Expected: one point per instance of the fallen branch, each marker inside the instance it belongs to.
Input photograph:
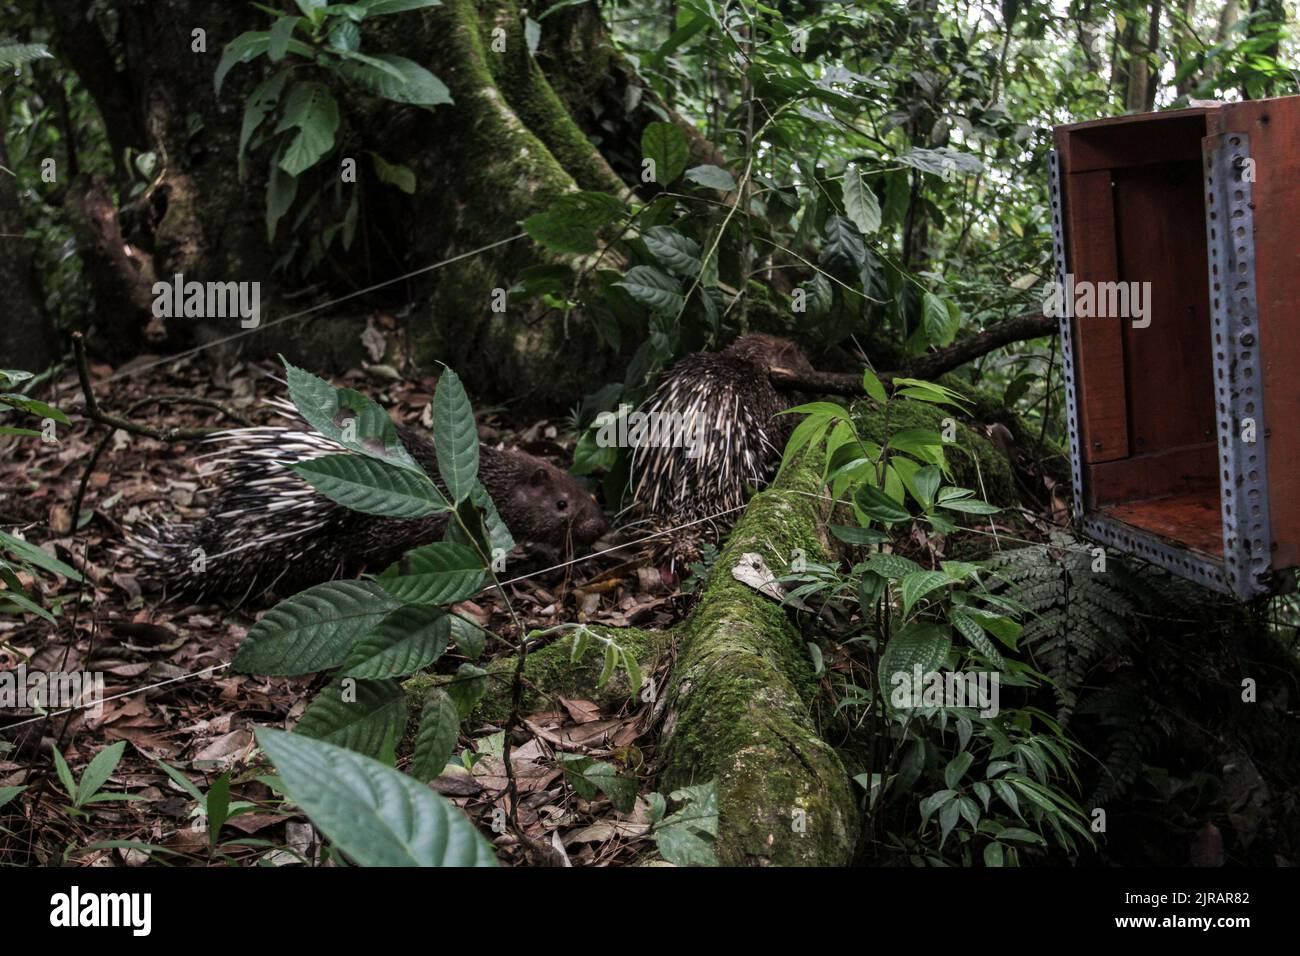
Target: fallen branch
(169, 434)
(927, 366)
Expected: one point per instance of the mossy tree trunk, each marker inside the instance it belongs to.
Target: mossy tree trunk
(525, 127)
(26, 336)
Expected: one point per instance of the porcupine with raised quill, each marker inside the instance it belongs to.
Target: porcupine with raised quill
(730, 398)
(266, 527)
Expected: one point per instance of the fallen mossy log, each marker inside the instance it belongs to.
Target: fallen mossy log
(739, 706)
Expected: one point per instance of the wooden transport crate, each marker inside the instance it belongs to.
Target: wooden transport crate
(1185, 432)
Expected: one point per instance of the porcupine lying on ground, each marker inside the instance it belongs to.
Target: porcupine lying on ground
(743, 436)
(266, 527)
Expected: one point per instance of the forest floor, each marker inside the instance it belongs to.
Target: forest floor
(170, 693)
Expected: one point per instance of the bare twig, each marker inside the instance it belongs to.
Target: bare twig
(927, 366)
(170, 433)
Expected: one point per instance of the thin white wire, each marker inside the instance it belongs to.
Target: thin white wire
(315, 308)
(125, 693)
(516, 580)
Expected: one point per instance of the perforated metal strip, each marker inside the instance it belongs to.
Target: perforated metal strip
(1238, 388)
(1203, 569)
(1055, 178)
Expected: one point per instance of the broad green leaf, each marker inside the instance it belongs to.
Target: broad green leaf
(217, 806)
(408, 640)
(438, 573)
(345, 36)
(313, 630)
(33, 407)
(843, 252)
(685, 838)
(418, 87)
(860, 536)
(925, 484)
(310, 109)
(455, 436)
(923, 443)
(383, 66)
(860, 203)
(98, 771)
(918, 644)
(920, 583)
(435, 741)
(666, 145)
(610, 665)
(620, 790)
(374, 814)
(467, 636)
(570, 224)
(670, 247)
(394, 174)
(975, 636)
(879, 506)
(873, 387)
(372, 486)
(280, 35)
(281, 190)
(938, 323)
(658, 290)
(929, 392)
(348, 417)
(948, 819)
(367, 716)
(1003, 628)
(259, 103)
(241, 49)
(957, 768)
(933, 802)
(711, 177)
(8, 793)
(467, 688)
(892, 566)
(970, 506)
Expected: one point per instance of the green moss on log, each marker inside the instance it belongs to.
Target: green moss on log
(550, 673)
(742, 690)
(535, 102)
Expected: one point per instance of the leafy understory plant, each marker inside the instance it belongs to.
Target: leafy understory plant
(374, 814)
(686, 836)
(295, 114)
(1002, 781)
(88, 789)
(372, 632)
(16, 555)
